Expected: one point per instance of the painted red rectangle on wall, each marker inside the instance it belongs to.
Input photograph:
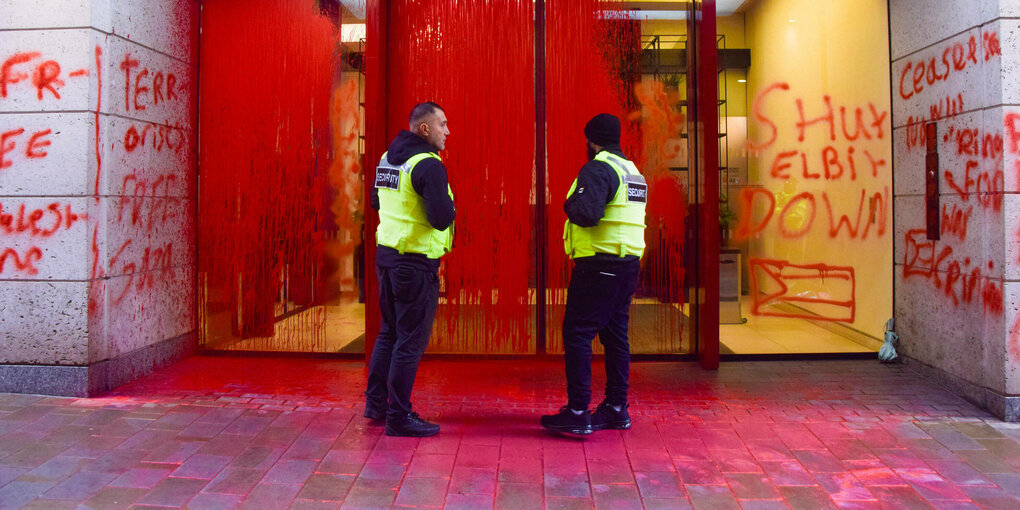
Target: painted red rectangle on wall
(775, 278)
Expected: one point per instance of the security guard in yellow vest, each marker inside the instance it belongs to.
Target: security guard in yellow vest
(604, 235)
(416, 213)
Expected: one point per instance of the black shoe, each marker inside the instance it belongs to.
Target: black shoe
(410, 425)
(567, 422)
(374, 414)
(605, 417)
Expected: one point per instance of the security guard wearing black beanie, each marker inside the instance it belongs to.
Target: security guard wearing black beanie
(604, 235)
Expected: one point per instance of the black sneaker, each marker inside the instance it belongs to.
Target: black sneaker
(374, 414)
(605, 417)
(567, 422)
(410, 425)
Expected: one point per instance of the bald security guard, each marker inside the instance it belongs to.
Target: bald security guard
(416, 213)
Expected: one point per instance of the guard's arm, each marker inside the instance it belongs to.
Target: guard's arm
(596, 186)
(430, 181)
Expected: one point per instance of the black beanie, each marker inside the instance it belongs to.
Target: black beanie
(603, 129)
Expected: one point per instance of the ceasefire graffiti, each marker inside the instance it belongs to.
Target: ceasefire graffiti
(973, 178)
(926, 72)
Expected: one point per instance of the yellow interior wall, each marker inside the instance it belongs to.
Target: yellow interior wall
(835, 48)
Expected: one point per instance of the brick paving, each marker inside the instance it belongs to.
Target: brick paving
(223, 432)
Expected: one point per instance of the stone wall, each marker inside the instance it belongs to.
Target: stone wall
(97, 187)
(956, 297)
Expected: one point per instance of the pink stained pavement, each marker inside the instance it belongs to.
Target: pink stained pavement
(264, 432)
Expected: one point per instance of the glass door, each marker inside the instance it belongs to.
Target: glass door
(807, 190)
(287, 241)
(279, 228)
(614, 61)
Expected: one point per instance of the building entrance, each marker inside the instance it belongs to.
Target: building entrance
(806, 187)
(287, 238)
(776, 239)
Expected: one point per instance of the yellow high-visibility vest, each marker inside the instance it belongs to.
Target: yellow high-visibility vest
(621, 231)
(403, 225)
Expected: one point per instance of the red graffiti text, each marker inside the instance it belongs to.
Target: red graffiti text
(797, 216)
(156, 137)
(23, 264)
(45, 76)
(39, 222)
(148, 87)
(138, 202)
(33, 146)
(957, 280)
(955, 57)
(843, 123)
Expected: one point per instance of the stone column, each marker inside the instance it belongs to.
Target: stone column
(97, 187)
(956, 297)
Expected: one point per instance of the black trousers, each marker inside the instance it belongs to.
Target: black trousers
(408, 297)
(598, 302)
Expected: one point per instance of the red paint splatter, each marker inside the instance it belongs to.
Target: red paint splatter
(662, 126)
(267, 73)
(345, 178)
(1012, 128)
(593, 67)
(489, 158)
(1014, 338)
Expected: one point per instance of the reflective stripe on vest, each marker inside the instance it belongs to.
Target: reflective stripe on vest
(403, 225)
(621, 231)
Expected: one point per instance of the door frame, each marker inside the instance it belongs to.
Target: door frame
(702, 120)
